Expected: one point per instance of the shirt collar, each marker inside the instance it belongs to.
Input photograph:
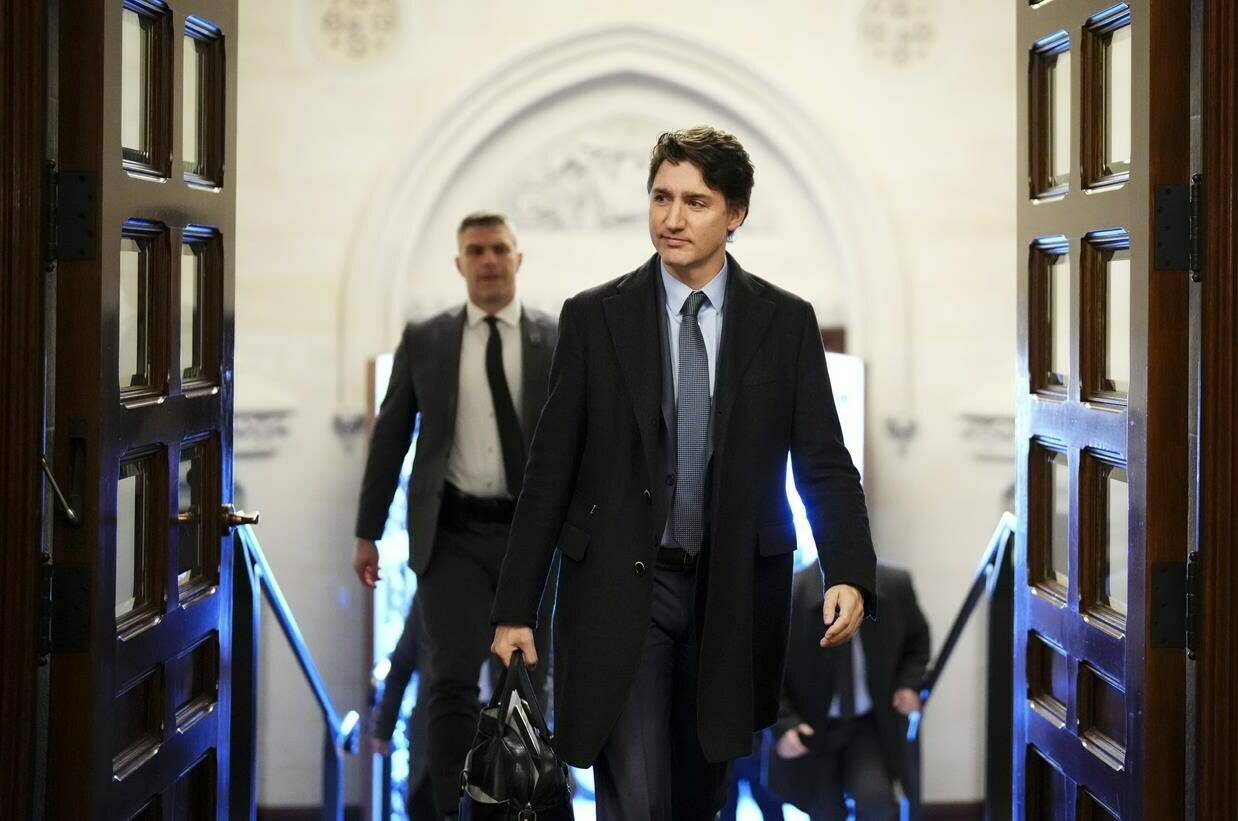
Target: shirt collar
(677, 293)
(508, 315)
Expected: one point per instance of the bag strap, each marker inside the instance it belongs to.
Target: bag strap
(516, 681)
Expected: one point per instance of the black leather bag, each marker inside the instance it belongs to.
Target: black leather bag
(512, 772)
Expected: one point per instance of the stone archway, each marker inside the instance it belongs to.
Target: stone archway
(549, 137)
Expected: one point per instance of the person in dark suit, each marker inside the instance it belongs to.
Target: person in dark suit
(476, 377)
(843, 723)
(409, 657)
(658, 471)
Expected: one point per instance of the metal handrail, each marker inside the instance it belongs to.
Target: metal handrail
(984, 580)
(342, 732)
(994, 577)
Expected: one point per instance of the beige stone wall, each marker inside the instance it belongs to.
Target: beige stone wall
(884, 136)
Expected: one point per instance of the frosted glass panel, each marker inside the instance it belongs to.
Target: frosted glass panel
(1059, 102)
(190, 518)
(135, 83)
(1113, 575)
(131, 590)
(191, 312)
(189, 104)
(1118, 323)
(1059, 554)
(1118, 101)
(1059, 319)
(134, 359)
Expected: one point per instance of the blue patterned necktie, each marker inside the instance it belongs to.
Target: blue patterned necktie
(692, 411)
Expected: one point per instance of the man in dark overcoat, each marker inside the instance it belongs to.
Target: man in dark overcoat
(658, 472)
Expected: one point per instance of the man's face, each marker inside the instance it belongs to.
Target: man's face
(488, 261)
(688, 220)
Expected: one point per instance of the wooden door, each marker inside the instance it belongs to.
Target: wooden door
(145, 125)
(1102, 425)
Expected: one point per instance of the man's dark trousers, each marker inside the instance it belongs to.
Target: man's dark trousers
(848, 759)
(463, 571)
(652, 766)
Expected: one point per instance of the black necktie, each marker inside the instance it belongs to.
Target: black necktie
(844, 682)
(510, 438)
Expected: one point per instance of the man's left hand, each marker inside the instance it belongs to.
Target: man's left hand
(907, 701)
(842, 614)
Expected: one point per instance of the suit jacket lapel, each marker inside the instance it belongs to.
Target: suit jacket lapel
(747, 316)
(631, 314)
(535, 374)
(450, 338)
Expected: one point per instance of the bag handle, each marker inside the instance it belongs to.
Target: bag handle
(516, 681)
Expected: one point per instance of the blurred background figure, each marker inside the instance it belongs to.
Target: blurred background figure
(753, 769)
(842, 729)
(411, 656)
(470, 380)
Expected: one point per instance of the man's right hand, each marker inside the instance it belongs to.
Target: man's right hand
(791, 745)
(511, 637)
(365, 562)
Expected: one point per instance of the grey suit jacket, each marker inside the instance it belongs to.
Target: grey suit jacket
(425, 383)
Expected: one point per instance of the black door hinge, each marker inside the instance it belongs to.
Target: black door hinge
(1176, 604)
(70, 202)
(1178, 226)
(1194, 601)
(64, 609)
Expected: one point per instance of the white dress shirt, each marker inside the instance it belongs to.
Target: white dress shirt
(475, 463)
(709, 318)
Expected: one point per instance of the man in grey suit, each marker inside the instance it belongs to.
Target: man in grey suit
(658, 471)
(477, 377)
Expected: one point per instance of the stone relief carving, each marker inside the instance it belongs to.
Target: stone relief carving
(355, 31)
(898, 33)
(587, 180)
(990, 436)
(590, 179)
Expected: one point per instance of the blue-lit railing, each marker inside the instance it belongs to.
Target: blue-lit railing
(252, 579)
(994, 578)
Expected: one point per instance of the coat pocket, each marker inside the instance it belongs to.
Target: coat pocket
(774, 540)
(573, 542)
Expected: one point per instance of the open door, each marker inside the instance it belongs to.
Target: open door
(1102, 410)
(145, 193)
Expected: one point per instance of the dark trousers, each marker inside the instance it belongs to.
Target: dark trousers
(848, 760)
(457, 591)
(651, 766)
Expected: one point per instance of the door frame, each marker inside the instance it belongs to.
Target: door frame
(1217, 791)
(23, 104)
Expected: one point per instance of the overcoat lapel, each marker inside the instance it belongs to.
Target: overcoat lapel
(631, 314)
(450, 335)
(747, 320)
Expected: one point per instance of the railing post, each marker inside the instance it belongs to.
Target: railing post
(332, 778)
(999, 722)
(246, 618)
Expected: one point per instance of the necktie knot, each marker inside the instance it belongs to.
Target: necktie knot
(492, 321)
(693, 304)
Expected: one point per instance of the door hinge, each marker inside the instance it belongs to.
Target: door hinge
(1179, 228)
(1176, 604)
(64, 609)
(70, 200)
(1194, 601)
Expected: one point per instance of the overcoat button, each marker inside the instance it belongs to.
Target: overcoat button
(648, 496)
(593, 509)
(639, 567)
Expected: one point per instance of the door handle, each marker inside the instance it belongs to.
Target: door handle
(234, 518)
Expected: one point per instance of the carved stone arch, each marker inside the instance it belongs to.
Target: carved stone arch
(408, 227)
